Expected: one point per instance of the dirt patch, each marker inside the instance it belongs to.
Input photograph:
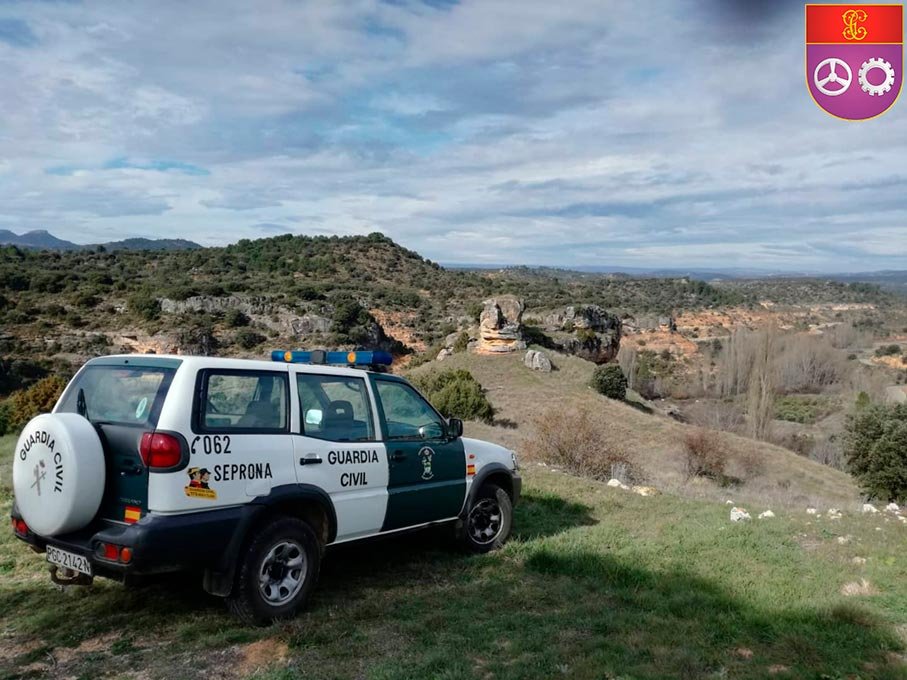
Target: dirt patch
(101, 643)
(257, 656)
(858, 588)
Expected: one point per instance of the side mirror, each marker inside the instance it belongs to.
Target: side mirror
(431, 431)
(455, 428)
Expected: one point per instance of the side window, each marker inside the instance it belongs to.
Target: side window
(335, 407)
(243, 401)
(406, 411)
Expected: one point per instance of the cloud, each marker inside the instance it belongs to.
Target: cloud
(492, 131)
(17, 33)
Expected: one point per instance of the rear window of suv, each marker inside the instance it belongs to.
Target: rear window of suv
(120, 395)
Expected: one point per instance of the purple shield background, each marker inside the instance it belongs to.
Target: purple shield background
(855, 104)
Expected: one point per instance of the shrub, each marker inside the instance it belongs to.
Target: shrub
(875, 441)
(249, 339)
(6, 414)
(704, 456)
(235, 318)
(805, 410)
(610, 381)
(461, 343)
(145, 305)
(39, 398)
(456, 394)
(888, 350)
(573, 440)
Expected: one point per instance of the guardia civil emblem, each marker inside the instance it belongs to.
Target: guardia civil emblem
(426, 454)
(854, 58)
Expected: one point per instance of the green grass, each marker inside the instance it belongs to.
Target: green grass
(596, 583)
(804, 409)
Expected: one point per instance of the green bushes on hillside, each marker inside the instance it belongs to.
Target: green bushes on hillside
(25, 404)
(875, 446)
(456, 394)
(610, 381)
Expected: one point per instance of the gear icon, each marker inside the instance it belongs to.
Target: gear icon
(885, 85)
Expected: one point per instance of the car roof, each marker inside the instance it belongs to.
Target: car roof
(199, 362)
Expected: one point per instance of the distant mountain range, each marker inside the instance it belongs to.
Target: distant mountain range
(895, 280)
(41, 239)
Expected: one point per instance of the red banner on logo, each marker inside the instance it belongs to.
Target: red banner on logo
(854, 24)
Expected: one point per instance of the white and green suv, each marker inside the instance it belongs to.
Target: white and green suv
(247, 471)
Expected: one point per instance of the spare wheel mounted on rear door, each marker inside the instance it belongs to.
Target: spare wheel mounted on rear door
(58, 473)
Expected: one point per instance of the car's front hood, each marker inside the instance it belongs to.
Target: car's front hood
(486, 452)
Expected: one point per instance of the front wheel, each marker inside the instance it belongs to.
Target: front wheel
(488, 520)
(277, 573)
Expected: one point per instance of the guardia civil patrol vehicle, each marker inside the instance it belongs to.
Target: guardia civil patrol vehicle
(245, 471)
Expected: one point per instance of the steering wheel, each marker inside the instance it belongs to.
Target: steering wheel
(833, 63)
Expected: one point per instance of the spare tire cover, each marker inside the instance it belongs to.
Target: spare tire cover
(58, 473)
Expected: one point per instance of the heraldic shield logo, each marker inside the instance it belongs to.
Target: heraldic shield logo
(854, 58)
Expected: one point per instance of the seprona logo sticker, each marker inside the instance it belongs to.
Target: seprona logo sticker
(854, 58)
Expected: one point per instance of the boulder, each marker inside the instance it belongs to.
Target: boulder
(892, 507)
(537, 361)
(768, 514)
(308, 324)
(501, 326)
(869, 508)
(595, 332)
(740, 515)
(617, 484)
(646, 490)
(444, 354)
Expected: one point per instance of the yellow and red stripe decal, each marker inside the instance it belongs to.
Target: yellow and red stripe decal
(132, 514)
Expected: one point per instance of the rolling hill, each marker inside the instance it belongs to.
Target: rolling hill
(41, 239)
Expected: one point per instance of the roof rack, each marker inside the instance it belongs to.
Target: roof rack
(376, 360)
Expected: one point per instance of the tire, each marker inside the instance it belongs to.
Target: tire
(270, 556)
(488, 520)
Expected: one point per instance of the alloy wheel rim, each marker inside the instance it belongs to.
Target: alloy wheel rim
(282, 573)
(485, 521)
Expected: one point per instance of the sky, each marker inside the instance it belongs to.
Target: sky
(653, 133)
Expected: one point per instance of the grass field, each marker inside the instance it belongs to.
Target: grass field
(655, 442)
(596, 583)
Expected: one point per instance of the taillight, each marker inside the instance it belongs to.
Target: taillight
(20, 527)
(160, 450)
(115, 553)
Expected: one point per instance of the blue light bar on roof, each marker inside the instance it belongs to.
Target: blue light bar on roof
(321, 357)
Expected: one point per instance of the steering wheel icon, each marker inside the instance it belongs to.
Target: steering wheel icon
(833, 78)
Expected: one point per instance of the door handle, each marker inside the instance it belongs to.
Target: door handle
(310, 459)
(397, 456)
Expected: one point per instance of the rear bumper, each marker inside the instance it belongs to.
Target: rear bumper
(159, 543)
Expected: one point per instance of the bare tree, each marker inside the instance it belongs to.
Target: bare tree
(761, 390)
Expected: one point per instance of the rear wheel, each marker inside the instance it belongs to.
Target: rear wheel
(277, 572)
(488, 520)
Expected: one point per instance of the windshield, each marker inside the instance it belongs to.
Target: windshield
(116, 394)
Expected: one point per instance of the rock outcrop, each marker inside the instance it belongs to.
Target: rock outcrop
(594, 333)
(501, 326)
(537, 361)
(264, 311)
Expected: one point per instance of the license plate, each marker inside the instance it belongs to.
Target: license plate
(64, 558)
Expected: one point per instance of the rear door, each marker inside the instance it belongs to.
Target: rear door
(122, 397)
(240, 446)
(427, 469)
